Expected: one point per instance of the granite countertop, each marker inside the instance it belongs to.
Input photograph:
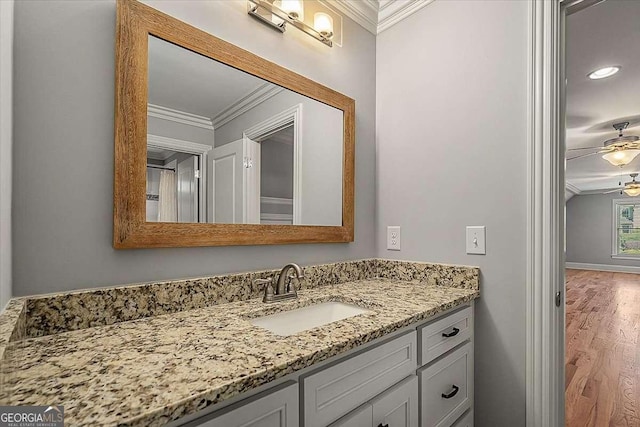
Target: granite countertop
(149, 371)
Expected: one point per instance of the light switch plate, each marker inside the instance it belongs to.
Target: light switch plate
(476, 240)
(393, 238)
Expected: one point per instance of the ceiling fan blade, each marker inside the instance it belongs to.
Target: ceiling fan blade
(613, 191)
(584, 148)
(582, 155)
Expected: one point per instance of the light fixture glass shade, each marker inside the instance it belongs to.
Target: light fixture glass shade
(323, 23)
(632, 191)
(621, 157)
(294, 8)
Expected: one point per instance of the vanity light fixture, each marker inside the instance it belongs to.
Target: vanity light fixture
(604, 72)
(323, 24)
(280, 13)
(293, 8)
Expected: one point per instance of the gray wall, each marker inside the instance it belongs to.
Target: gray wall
(321, 148)
(6, 75)
(451, 152)
(276, 169)
(589, 228)
(63, 157)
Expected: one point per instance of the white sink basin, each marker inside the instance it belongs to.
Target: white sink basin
(291, 322)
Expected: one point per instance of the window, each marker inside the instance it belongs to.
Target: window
(626, 228)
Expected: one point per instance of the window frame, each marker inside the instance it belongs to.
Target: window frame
(614, 228)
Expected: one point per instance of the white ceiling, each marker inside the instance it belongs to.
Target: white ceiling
(191, 83)
(605, 34)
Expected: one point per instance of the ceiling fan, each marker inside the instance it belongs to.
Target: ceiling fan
(618, 151)
(631, 188)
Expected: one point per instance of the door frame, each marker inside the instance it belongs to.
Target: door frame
(290, 116)
(200, 150)
(545, 322)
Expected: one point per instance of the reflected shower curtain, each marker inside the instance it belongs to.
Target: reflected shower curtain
(167, 201)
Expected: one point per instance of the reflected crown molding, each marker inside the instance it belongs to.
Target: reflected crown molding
(180, 145)
(247, 102)
(165, 113)
(572, 188)
(377, 16)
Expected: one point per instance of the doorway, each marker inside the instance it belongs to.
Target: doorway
(602, 128)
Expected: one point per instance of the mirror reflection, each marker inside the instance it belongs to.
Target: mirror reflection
(224, 146)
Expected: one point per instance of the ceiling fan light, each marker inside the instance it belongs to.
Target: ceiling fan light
(621, 157)
(632, 191)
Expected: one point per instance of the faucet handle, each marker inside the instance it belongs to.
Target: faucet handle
(267, 281)
(268, 289)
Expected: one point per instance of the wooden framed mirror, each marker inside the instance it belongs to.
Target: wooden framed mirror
(217, 146)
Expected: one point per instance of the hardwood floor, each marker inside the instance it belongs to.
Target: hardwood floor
(602, 360)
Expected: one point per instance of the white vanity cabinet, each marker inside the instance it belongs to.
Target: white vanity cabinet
(421, 376)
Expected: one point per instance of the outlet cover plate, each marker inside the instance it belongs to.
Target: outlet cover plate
(393, 238)
(476, 240)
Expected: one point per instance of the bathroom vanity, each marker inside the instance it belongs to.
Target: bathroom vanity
(188, 352)
(421, 375)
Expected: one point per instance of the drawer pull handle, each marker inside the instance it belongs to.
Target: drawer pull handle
(451, 334)
(380, 425)
(453, 392)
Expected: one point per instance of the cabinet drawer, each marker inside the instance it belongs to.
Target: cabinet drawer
(446, 388)
(466, 420)
(335, 391)
(268, 409)
(442, 335)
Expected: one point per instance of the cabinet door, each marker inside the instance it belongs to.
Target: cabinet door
(362, 417)
(343, 387)
(273, 409)
(447, 388)
(398, 407)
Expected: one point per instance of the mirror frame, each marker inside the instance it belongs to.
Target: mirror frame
(135, 23)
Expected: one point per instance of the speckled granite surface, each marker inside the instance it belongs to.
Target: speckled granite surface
(149, 371)
(69, 311)
(147, 354)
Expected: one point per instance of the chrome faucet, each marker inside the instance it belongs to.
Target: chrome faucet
(281, 289)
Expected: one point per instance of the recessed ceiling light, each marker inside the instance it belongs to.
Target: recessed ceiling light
(604, 72)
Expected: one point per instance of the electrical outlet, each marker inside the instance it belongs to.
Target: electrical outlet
(476, 240)
(393, 238)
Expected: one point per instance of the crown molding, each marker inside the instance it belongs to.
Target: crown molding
(393, 11)
(178, 116)
(247, 102)
(377, 16)
(364, 13)
(572, 188)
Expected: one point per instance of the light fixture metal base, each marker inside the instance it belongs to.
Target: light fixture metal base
(253, 10)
